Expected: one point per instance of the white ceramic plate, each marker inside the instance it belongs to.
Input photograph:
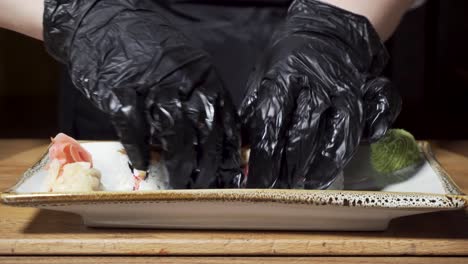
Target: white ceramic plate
(368, 202)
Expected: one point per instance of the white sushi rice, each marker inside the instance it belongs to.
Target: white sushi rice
(110, 159)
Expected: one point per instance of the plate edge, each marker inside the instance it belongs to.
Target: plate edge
(448, 183)
(9, 197)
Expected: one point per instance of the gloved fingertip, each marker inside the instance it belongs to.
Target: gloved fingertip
(138, 156)
(383, 105)
(377, 130)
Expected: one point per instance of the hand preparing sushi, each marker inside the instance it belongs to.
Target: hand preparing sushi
(159, 72)
(157, 88)
(315, 94)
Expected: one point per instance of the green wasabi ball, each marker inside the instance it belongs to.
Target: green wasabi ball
(396, 150)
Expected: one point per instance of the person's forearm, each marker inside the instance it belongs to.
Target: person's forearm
(23, 16)
(385, 15)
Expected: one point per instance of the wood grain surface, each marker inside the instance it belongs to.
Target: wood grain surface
(234, 260)
(29, 231)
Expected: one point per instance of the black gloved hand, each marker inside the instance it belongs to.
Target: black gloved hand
(314, 95)
(156, 87)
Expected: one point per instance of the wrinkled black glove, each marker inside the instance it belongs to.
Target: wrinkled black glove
(314, 95)
(156, 87)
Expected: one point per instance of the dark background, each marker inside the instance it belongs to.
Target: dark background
(429, 66)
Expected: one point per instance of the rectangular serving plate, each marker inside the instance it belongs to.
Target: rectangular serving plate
(429, 189)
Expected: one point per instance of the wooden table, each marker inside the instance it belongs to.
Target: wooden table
(30, 235)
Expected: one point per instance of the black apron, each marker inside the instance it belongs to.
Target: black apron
(235, 33)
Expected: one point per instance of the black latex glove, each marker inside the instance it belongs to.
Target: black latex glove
(315, 93)
(156, 87)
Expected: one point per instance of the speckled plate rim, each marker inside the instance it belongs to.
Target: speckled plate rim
(377, 199)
